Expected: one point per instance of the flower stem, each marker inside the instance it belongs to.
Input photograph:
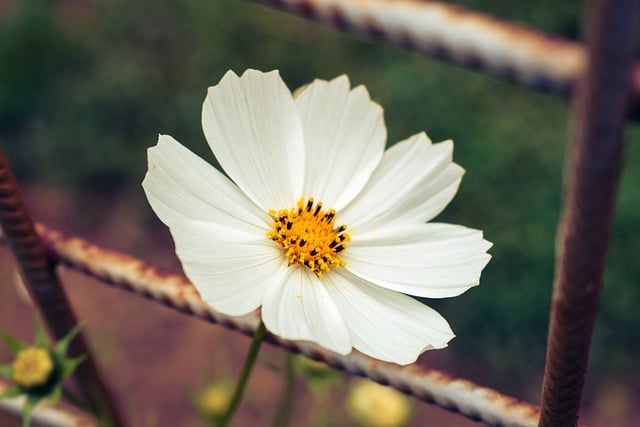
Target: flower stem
(283, 411)
(244, 375)
(77, 402)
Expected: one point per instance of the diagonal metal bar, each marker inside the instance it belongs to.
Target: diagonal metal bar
(431, 386)
(472, 39)
(592, 171)
(45, 415)
(38, 269)
(468, 38)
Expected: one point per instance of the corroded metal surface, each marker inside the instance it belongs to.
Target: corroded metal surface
(468, 38)
(593, 167)
(465, 397)
(38, 269)
(44, 414)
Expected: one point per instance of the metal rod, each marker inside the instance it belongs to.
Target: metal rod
(472, 39)
(467, 38)
(428, 385)
(592, 172)
(39, 272)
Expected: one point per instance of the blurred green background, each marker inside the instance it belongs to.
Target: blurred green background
(85, 87)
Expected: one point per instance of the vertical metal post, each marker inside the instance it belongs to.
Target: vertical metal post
(42, 281)
(592, 172)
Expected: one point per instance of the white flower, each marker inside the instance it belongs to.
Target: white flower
(301, 168)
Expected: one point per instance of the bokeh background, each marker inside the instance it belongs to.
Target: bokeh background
(86, 86)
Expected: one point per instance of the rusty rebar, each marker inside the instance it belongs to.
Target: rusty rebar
(468, 38)
(41, 279)
(592, 168)
(175, 291)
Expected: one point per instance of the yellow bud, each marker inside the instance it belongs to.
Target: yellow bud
(214, 400)
(32, 367)
(373, 405)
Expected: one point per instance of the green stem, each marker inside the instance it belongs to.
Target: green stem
(244, 376)
(283, 411)
(77, 402)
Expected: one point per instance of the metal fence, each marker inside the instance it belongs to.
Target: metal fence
(603, 85)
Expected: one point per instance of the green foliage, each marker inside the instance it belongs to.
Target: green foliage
(109, 80)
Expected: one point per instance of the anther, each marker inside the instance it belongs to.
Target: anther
(307, 236)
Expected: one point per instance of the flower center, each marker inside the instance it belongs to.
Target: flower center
(309, 237)
(32, 367)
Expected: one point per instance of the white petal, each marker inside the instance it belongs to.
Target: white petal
(181, 186)
(253, 127)
(344, 135)
(414, 182)
(385, 324)
(301, 309)
(231, 269)
(428, 260)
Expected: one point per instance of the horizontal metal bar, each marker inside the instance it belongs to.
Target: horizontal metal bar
(44, 414)
(472, 39)
(432, 386)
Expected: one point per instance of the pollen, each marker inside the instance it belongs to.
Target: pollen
(308, 236)
(32, 367)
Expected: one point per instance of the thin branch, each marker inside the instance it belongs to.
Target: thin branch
(592, 172)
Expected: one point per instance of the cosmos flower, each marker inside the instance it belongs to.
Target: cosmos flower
(317, 225)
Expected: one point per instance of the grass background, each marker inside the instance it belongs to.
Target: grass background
(85, 87)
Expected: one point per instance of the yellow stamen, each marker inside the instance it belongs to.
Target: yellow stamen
(32, 367)
(308, 236)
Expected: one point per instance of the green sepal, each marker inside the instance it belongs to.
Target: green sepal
(27, 410)
(11, 392)
(14, 345)
(61, 347)
(40, 338)
(55, 394)
(5, 371)
(70, 365)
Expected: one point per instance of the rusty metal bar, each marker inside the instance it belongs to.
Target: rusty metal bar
(432, 386)
(468, 38)
(44, 414)
(593, 167)
(39, 271)
(471, 39)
